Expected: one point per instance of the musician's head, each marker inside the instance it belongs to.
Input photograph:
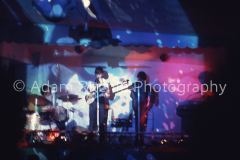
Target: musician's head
(45, 90)
(142, 76)
(99, 72)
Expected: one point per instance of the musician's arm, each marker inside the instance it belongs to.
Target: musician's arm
(106, 93)
(150, 98)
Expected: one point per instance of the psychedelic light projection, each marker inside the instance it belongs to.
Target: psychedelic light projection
(53, 10)
(157, 34)
(176, 81)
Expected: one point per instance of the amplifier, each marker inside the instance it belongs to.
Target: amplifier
(117, 122)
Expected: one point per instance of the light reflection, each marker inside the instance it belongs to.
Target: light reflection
(159, 41)
(170, 80)
(114, 129)
(172, 125)
(165, 126)
(128, 31)
(146, 20)
(166, 116)
(57, 11)
(132, 6)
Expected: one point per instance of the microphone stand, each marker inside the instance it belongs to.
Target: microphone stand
(138, 114)
(97, 108)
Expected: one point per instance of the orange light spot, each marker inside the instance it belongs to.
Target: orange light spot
(104, 124)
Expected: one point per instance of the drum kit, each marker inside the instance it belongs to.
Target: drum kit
(44, 116)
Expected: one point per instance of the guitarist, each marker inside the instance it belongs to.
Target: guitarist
(93, 107)
(147, 97)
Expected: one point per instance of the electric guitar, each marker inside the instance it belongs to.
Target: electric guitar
(91, 96)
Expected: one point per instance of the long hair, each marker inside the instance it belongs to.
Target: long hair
(142, 75)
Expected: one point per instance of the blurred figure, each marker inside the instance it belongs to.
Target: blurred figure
(147, 98)
(93, 106)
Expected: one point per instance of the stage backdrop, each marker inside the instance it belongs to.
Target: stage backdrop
(182, 74)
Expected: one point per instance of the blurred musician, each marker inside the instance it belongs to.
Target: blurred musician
(48, 110)
(93, 107)
(146, 102)
(46, 92)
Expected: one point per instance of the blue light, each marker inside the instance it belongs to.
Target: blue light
(128, 31)
(159, 41)
(118, 36)
(84, 41)
(57, 11)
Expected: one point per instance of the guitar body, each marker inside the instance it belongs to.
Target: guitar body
(89, 98)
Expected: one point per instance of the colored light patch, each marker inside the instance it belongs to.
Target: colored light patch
(159, 41)
(128, 31)
(113, 129)
(172, 125)
(165, 126)
(166, 116)
(170, 80)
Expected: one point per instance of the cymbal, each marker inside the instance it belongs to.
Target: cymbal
(46, 109)
(41, 101)
(28, 112)
(70, 98)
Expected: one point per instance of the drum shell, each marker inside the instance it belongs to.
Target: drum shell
(60, 114)
(46, 116)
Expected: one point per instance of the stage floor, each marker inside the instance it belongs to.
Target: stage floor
(102, 153)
